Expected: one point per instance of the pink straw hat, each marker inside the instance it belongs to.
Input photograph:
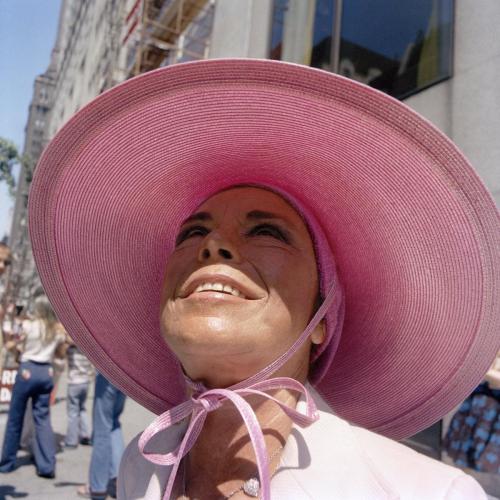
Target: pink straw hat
(414, 232)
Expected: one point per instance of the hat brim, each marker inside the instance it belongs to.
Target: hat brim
(414, 232)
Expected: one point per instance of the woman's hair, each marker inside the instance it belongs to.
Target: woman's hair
(47, 317)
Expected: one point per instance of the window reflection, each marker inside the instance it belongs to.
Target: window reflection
(397, 46)
(302, 32)
(400, 48)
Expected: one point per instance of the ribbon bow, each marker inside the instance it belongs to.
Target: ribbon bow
(199, 406)
(205, 401)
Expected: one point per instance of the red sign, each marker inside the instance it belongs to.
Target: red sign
(6, 384)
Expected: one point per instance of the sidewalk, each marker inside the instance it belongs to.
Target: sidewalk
(72, 464)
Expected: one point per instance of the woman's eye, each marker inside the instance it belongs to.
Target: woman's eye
(269, 230)
(190, 232)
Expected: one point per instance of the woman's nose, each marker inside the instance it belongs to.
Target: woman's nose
(215, 248)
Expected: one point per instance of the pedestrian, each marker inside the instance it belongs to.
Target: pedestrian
(40, 341)
(9, 358)
(299, 260)
(58, 367)
(473, 436)
(5, 261)
(107, 441)
(80, 373)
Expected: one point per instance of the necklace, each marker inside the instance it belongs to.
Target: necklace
(250, 487)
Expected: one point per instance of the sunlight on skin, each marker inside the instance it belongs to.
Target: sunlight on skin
(253, 239)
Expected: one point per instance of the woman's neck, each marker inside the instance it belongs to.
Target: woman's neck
(223, 457)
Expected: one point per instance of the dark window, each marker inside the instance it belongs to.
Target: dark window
(397, 46)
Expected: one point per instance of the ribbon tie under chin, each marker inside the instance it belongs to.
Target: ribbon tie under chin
(201, 404)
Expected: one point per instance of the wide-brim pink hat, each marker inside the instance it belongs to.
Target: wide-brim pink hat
(414, 232)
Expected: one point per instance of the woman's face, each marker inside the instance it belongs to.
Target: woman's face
(240, 287)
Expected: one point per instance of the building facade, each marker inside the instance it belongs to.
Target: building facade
(439, 56)
(87, 50)
(23, 278)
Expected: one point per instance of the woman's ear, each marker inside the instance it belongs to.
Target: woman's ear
(319, 333)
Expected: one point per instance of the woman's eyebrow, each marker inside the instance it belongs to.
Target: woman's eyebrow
(262, 215)
(198, 217)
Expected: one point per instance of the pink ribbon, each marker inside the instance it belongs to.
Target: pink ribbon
(205, 401)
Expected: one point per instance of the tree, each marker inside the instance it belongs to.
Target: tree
(9, 156)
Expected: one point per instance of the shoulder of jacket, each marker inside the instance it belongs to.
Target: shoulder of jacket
(415, 472)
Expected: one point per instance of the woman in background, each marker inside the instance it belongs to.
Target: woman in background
(40, 341)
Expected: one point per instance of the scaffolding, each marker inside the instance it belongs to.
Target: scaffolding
(162, 32)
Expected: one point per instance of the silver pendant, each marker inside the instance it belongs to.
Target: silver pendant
(252, 487)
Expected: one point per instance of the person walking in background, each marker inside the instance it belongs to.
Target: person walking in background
(473, 437)
(107, 441)
(40, 341)
(80, 372)
(58, 367)
(5, 260)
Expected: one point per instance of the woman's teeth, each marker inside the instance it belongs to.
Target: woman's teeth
(218, 287)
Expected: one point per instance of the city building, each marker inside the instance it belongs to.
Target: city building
(23, 278)
(439, 56)
(87, 48)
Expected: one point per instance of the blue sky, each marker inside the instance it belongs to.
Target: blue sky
(27, 34)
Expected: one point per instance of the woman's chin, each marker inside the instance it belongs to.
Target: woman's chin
(210, 334)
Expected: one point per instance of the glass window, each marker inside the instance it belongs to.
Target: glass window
(397, 46)
(302, 32)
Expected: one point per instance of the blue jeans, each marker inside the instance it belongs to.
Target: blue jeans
(34, 380)
(107, 438)
(78, 422)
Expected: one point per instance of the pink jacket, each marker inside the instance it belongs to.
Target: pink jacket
(329, 460)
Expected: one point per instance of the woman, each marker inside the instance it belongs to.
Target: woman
(40, 341)
(294, 237)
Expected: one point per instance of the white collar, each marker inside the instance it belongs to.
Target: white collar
(327, 457)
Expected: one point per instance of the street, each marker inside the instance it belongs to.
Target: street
(72, 464)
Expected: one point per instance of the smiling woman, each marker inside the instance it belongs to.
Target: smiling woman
(262, 254)
(300, 261)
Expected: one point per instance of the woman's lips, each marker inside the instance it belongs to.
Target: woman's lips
(215, 296)
(218, 287)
